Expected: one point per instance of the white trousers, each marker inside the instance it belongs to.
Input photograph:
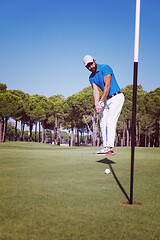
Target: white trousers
(109, 118)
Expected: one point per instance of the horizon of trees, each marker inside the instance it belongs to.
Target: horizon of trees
(76, 114)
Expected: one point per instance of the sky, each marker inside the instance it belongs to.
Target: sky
(43, 42)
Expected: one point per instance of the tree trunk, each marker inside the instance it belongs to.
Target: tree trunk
(116, 139)
(39, 131)
(149, 138)
(159, 134)
(98, 137)
(154, 142)
(0, 128)
(15, 135)
(129, 133)
(51, 137)
(136, 135)
(59, 134)
(4, 130)
(35, 139)
(139, 135)
(77, 140)
(97, 134)
(43, 134)
(124, 130)
(94, 134)
(145, 136)
(128, 140)
(3, 134)
(72, 134)
(30, 129)
(81, 136)
(69, 137)
(22, 130)
(55, 131)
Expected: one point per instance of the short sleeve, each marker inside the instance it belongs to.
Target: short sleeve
(106, 70)
(91, 81)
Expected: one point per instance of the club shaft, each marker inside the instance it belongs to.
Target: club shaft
(94, 120)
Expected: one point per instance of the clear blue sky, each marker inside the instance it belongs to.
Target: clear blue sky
(43, 42)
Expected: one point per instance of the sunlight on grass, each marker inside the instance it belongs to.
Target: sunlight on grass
(50, 192)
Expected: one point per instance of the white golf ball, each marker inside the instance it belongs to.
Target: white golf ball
(107, 171)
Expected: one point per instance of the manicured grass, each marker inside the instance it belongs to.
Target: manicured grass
(58, 193)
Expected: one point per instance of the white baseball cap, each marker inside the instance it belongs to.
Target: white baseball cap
(87, 59)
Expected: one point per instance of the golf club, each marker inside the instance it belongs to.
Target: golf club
(93, 122)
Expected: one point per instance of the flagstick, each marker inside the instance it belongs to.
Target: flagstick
(133, 134)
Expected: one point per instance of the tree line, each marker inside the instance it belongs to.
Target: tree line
(76, 114)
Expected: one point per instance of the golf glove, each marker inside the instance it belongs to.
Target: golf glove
(101, 104)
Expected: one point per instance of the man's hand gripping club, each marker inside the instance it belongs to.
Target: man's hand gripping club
(100, 106)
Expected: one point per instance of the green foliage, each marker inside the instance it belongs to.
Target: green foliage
(22, 115)
(38, 108)
(57, 97)
(3, 88)
(57, 114)
(77, 106)
(152, 103)
(127, 107)
(78, 110)
(10, 105)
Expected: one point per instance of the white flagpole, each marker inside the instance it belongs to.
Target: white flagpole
(137, 24)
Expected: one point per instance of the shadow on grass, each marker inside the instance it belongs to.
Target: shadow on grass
(109, 162)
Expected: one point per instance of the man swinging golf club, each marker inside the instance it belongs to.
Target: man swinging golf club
(110, 103)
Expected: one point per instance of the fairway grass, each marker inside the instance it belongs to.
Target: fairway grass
(58, 193)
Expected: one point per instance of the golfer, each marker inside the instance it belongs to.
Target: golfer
(110, 103)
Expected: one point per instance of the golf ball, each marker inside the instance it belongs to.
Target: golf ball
(107, 171)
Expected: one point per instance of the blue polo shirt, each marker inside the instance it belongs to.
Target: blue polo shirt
(97, 78)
